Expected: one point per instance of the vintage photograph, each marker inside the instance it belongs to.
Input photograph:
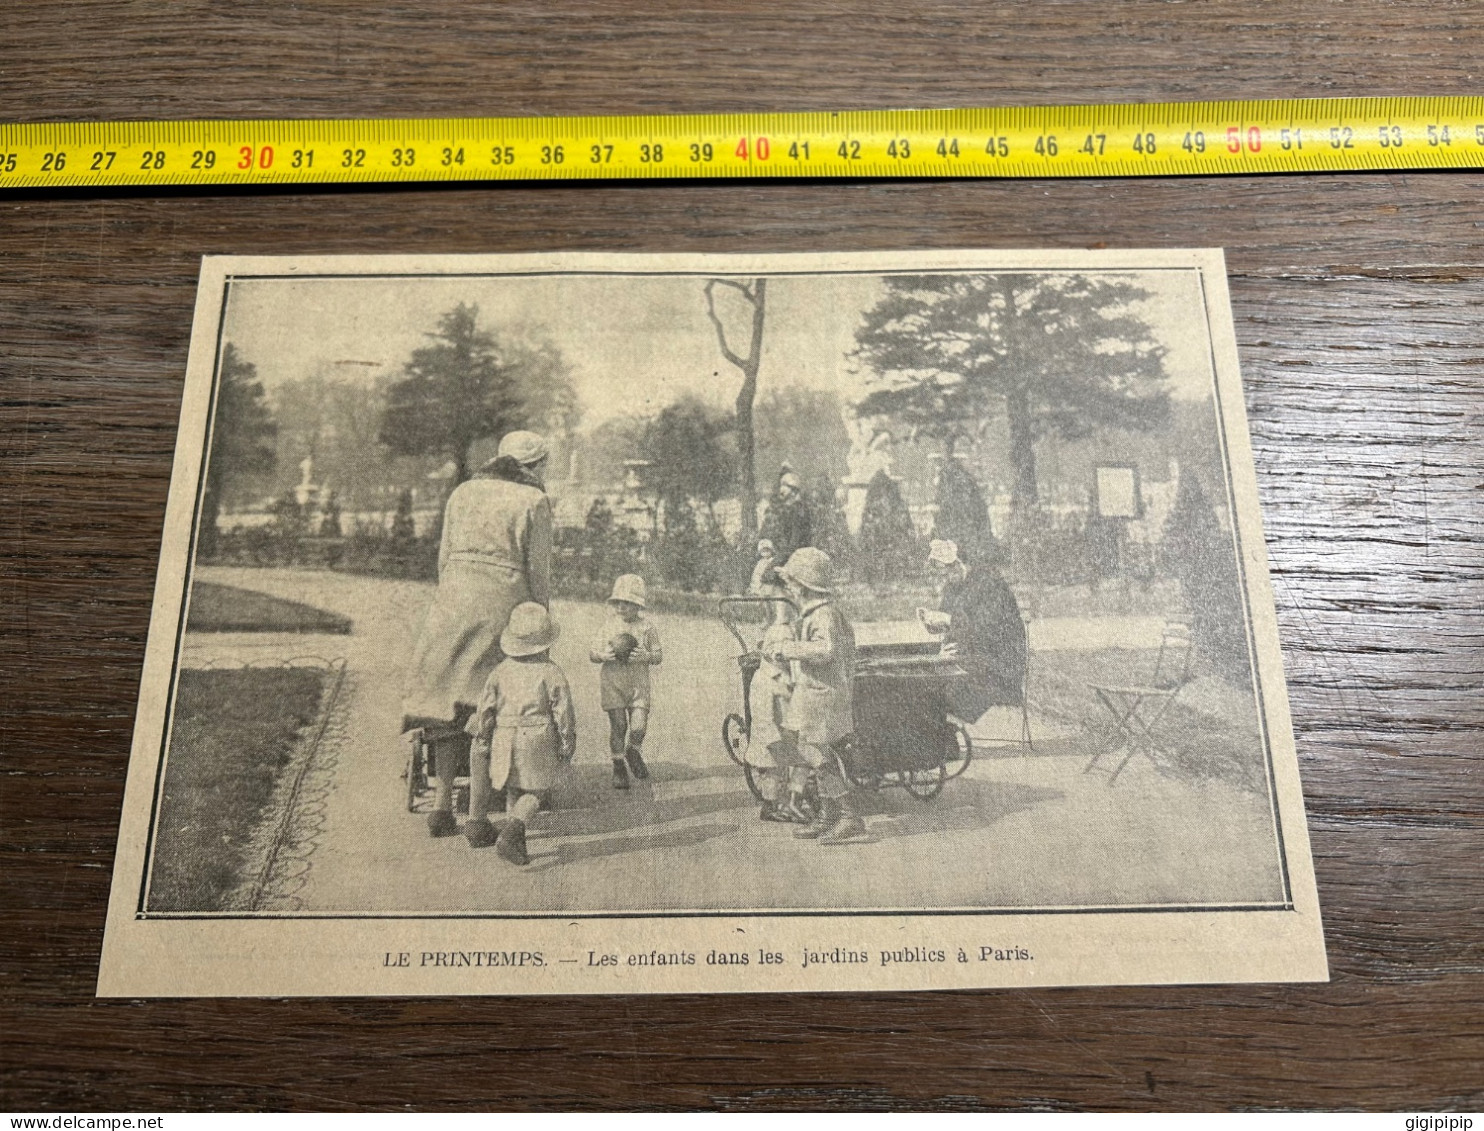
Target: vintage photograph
(637, 588)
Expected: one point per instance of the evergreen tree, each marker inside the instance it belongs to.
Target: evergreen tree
(242, 439)
(1202, 556)
(329, 517)
(404, 526)
(888, 540)
(963, 514)
(691, 456)
(469, 385)
(1058, 354)
(598, 534)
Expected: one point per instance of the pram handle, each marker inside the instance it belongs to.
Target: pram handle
(724, 606)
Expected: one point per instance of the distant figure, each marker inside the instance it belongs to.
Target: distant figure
(329, 517)
(765, 579)
(789, 522)
(597, 532)
(628, 646)
(404, 526)
(495, 554)
(982, 629)
(524, 731)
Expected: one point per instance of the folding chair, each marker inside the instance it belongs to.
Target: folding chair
(1138, 708)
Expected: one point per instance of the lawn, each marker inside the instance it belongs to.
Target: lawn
(1210, 731)
(235, 731)
(225, 608)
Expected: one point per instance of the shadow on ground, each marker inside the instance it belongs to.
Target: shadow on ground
(686, 837)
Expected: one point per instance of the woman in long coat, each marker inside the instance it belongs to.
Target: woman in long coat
(495, 554)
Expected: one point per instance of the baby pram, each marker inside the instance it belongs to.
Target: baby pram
(431, 747)
(903, 734)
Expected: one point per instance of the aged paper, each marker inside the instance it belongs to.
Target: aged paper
(587, 623)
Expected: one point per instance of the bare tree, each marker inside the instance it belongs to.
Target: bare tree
(756, 296)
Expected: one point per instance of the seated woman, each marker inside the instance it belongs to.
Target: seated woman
(982, 629)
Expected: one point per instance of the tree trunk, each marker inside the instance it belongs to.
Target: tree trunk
(746, 395)
(1022, 450)
(746, 472)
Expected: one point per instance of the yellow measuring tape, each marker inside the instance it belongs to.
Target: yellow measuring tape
(1157, 139)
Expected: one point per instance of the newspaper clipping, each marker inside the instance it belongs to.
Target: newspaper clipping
(598, 623)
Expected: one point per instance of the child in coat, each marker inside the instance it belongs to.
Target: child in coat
(524, 732)
(627, 647)
(821, 709)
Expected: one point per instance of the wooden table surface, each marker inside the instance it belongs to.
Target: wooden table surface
(1358, 306)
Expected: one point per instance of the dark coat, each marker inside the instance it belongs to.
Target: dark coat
(789, 526)
(986, 625)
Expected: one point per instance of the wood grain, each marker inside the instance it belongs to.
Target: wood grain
(1358, 304)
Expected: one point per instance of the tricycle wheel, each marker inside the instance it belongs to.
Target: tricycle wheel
(752, 783)
(925, 784)
(734, 738)
(960, 750)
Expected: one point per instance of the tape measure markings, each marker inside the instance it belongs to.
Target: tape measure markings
(1128, 139)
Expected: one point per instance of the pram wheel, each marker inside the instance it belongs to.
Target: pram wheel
(734, 738)
(925, 784)
(960, 750)
(416, 773)
(752, 783)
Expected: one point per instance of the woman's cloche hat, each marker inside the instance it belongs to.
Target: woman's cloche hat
(811, 568)
(531, 630)
(628, 587)
(523, 447)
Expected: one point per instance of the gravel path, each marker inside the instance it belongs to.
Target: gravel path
(1014, 831)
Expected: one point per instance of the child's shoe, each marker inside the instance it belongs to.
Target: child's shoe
(511, 843)
(824, 821)
(441, 823)
(479, 833)
(847, 830)
(620, 774)
(636, 763)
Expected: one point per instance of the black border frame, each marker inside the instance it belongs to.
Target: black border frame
(141, 912)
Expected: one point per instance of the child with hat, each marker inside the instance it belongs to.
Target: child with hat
(524, 732)
(627, 647)
(821, 709)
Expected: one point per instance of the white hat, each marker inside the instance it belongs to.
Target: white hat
(943, 552)
(523, 447)
(810, 568)
(531, 630)
(628, 587)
